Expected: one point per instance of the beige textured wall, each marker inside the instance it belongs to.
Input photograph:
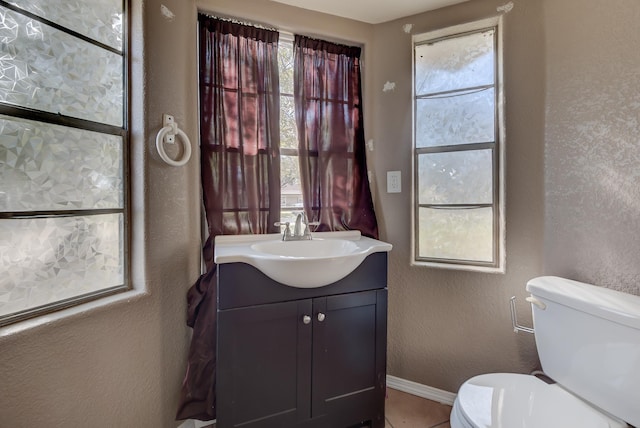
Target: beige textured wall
(592, 228)
(444, 325)
(121, 365)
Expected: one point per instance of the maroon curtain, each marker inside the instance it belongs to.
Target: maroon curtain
(239, 128)
(333, 166)
(240, 169)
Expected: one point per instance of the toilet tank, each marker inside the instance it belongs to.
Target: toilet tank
(588, 340)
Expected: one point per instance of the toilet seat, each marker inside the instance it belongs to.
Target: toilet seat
(501, 400)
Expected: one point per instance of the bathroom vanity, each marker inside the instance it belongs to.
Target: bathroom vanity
(301, 357)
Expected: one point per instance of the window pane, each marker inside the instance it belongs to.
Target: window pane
(455, 63)
(49, 167)
(100, 20)
(461, 119)
(285, 66)
(44, 260)
(463, 177)
(49, 70)
(288, 127)
(290, 192)
(465, 234)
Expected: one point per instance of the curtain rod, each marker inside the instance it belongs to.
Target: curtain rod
(239, 21)
(287, 34)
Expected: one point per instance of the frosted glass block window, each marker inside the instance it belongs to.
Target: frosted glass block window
(452, 63)
(100, 20)
(458, 148)
(460, 119)
(460, 177)
(63, 154)
(58, 258)
(48, 69)
(463, 234)
(52, 167)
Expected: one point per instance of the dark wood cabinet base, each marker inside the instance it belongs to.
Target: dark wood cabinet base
(316, 358)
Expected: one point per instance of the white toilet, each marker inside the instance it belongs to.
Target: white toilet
(588, 340)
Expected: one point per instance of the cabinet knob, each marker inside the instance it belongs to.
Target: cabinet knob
(321, 316)
(306, 319)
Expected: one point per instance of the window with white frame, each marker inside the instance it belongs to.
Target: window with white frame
(458, 161)
(63, 154)
(291, 189)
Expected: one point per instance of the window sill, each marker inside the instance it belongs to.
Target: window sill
(460, 267)
(72, 313)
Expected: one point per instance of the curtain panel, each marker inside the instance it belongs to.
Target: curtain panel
(239, 140)
(239, 128)
(329, 116)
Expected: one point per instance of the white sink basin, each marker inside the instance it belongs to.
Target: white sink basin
(327, 258)
(317, 248)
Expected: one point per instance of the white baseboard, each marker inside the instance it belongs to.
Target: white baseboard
(424, 391)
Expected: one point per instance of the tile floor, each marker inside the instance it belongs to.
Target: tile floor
(408, 411)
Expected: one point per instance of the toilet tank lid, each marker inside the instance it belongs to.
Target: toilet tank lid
(616, 306)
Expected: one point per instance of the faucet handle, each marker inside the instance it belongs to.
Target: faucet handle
(307, 229)
(287, 230)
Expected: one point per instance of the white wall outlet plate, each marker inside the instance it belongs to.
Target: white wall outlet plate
(394, 181)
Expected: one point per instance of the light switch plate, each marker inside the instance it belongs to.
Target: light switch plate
(394, 182)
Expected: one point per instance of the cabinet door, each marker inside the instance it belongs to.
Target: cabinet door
(349, 357)
(265, 353)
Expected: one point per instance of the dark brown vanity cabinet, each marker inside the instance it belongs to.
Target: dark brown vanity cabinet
(313, 358)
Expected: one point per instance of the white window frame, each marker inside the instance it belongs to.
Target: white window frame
(288, 38)
(499, 258)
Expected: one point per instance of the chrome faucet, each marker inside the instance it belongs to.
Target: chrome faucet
(296, 229)
(298, 234)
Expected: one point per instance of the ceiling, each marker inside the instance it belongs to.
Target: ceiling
(371, 11)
